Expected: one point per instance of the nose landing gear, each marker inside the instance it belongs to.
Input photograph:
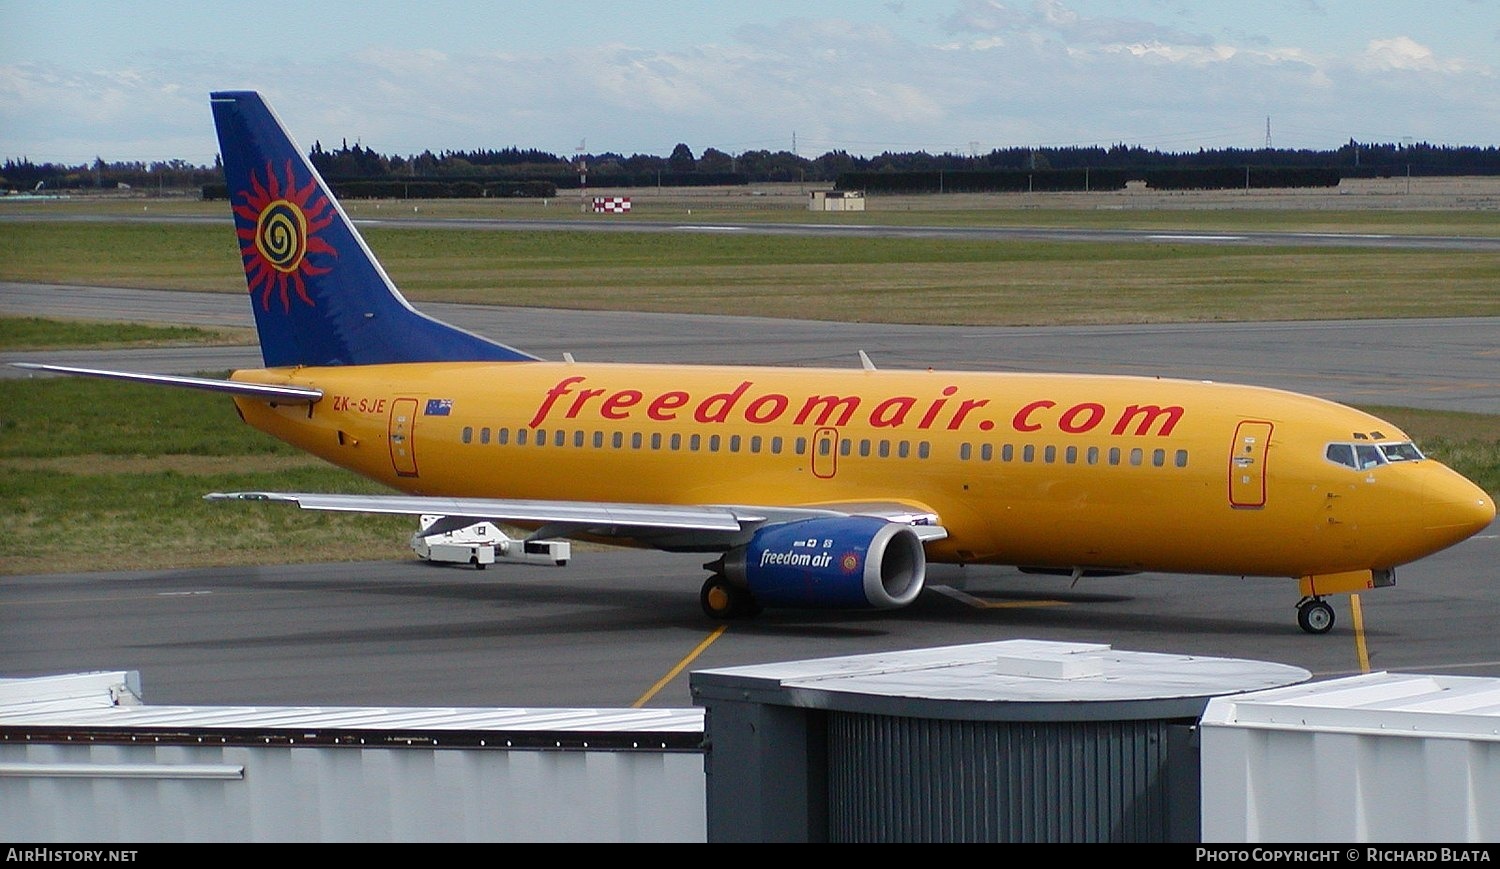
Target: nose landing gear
(1314, 615)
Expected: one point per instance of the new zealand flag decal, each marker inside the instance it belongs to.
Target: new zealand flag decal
(438, 407)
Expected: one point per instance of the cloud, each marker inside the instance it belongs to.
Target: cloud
(1405, 53)
(988, 20)
(1192, 55)
(126, 113)
(994, 73)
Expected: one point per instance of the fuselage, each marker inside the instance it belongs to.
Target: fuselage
(1054, 471)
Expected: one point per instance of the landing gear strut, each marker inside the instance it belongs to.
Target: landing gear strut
(1314, 615)
(724, 600)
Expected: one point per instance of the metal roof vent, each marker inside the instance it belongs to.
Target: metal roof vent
(1013, 741)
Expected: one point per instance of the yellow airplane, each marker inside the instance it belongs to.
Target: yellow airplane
(812, 487)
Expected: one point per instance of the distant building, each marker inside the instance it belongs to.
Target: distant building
(836, 200)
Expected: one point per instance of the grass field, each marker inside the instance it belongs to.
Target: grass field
(104, 475)
(918, 280)
(97, 475)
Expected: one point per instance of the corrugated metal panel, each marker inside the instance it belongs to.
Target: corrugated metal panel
(1375, 758)
(70, 691)
(79, 763)
(321, 794)
(353, 717)
(83, 716)
(918, 780)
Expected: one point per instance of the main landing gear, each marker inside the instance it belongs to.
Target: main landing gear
(1314, 615)
(724, 600)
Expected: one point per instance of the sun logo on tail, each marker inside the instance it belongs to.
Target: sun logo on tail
(284, 223)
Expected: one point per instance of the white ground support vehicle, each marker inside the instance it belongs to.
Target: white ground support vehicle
(483, 543)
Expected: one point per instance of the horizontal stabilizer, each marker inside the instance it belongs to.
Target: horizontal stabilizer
(270, 392)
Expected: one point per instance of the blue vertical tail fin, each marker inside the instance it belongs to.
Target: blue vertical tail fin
(320, 297)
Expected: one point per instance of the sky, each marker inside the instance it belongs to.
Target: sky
(129, 81)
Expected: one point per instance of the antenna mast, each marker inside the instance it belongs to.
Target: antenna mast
(583, 176)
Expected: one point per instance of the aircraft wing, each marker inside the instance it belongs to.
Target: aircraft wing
(669, 526)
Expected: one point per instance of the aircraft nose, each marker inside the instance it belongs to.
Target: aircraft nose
(1455, 509)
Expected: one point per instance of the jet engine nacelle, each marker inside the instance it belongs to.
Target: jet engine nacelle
(844, 561)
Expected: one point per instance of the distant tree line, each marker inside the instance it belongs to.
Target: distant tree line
(357, 171)
(1086, 180)
(24, 175)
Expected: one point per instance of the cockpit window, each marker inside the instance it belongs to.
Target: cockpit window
(1402, 452)
(1368, 456)
(1361, 456)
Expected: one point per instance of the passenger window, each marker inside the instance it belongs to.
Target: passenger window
(801, 446)
(598, 440)
(1071, 455)
(884, 449)
(1159, 458)
(1136, 456)
(467, 435)
(924, 449)
(845, 446)
(484, 435)
(734, 443)
(1182, 458)
(1008, 453)
(695, 442)
(903, 449)
(635, 440)
(713, 443)
(1093, 455)
(656, 440)
(776, 446)
(676, 442)
(541, 437)
(502, 436)
(987, 452)
(521, 437)
(618, 440)
(1028, 453)
(965, 451)
(1114, 455)
(755, 443)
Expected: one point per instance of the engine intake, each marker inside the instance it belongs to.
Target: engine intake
(837, 562)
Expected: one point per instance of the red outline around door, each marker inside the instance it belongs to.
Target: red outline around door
(825, 453)
(1248, 461)
(401, 433)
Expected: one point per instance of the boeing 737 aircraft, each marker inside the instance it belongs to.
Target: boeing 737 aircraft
(805, 487)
